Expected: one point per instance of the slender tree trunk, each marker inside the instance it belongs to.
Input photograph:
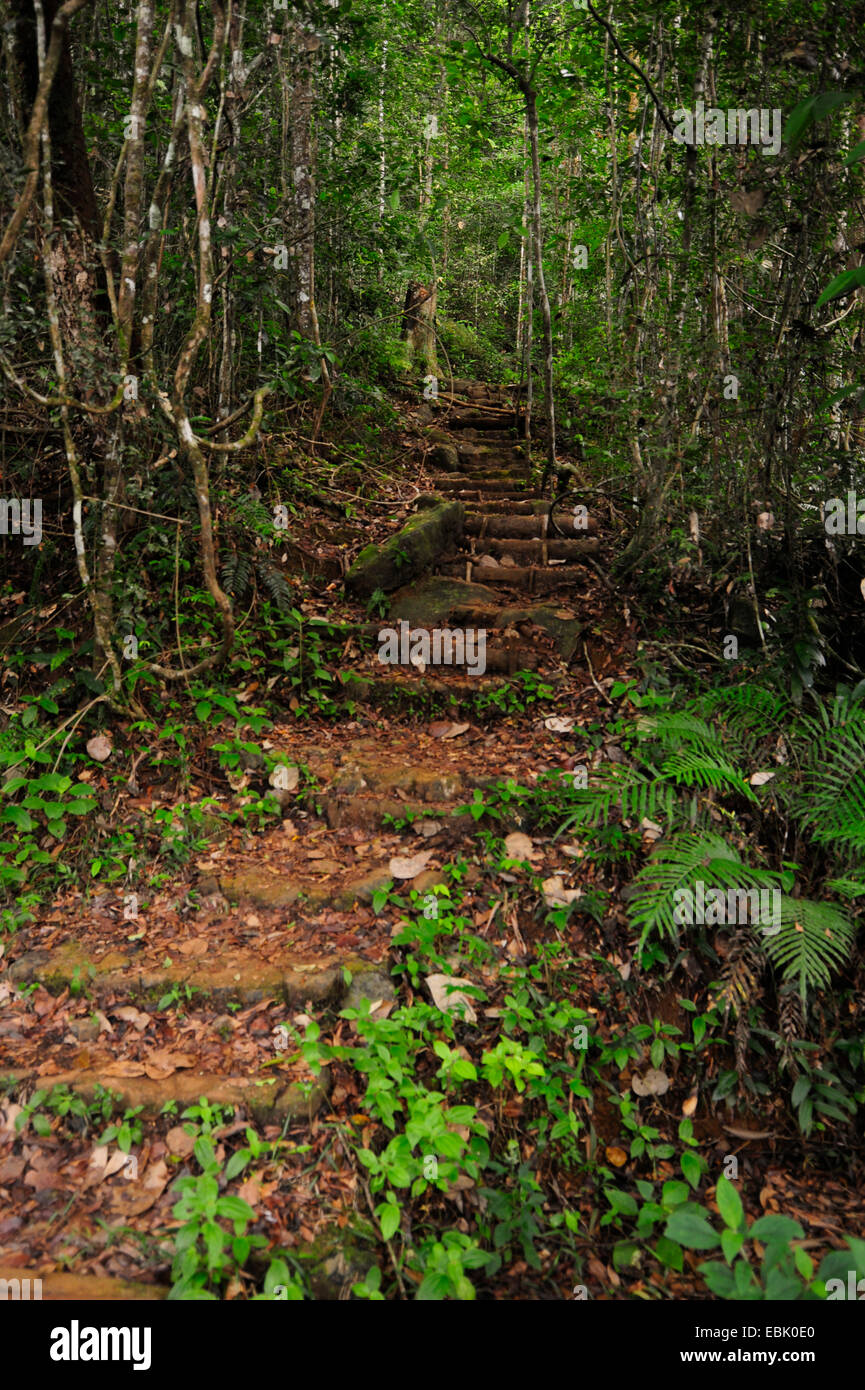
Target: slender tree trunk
(303, 182)
(546, 315)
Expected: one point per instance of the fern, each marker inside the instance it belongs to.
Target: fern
(831, 799)
(275, 583)
(679, 864)
(814, 940)
(236, 575)
(708, 751)
(626, 789)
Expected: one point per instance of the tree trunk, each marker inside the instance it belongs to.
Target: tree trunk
(546, 315)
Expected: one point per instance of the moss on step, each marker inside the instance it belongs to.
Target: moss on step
(407, 554)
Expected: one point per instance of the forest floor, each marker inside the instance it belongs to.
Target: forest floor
(182, 1019)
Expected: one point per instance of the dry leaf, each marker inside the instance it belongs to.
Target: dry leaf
(404, 867)
(96, 1166)
(451, 1000)
(519, 846)
(651, 1083)
(455, 730)
(139, 1020)
(162, 1063)
(179, 1143)
(556, 894)
(758, 779)
(558, 725)
(138, 1195)
(198, 946)
(116, 1161)
(99, 748)
(616, 1156)
(123, 1067)
(689, 1105)
(284, 778)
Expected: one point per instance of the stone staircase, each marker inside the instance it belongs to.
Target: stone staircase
(507, 518)
(509, 574)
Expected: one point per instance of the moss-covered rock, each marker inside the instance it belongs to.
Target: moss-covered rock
(431, 601)
(409, 553)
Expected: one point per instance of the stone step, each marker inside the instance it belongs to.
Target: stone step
(536, 552)
(277, 1101)
(475, 476)
(67, 1287)
(489, 436)
(517, 526)
(462, 487)
(472, 421)
(473, 569)
(498, 508)
(476, 453)
(479, 389)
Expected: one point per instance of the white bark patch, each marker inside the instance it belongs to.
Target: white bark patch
(207, 293)
(76, 522)
(186, 432)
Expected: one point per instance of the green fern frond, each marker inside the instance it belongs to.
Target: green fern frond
(831, 798)
(680, 864)
(749, 712)
(813, 941)
(236, 575)
(627, 789)
(278, 590)
(847, 887)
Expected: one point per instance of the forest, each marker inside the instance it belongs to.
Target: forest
(432, 656)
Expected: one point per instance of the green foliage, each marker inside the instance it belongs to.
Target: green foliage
(688, 764)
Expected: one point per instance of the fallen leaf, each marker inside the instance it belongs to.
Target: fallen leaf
(284, 778)
(758, 779)
(689, 1105)
(136, 1017)
(138, 1195)
(123, 1067)
(116, 1161)
(96, 1166)
(179, 1143)
(558, 725)
(197, 946)
(404, 867)
(519, 846)
(162, 1063)
(451, 1000)
(556, 894)
(651, 1083)
(99, 748)
(455, 730)
(616, 1156)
